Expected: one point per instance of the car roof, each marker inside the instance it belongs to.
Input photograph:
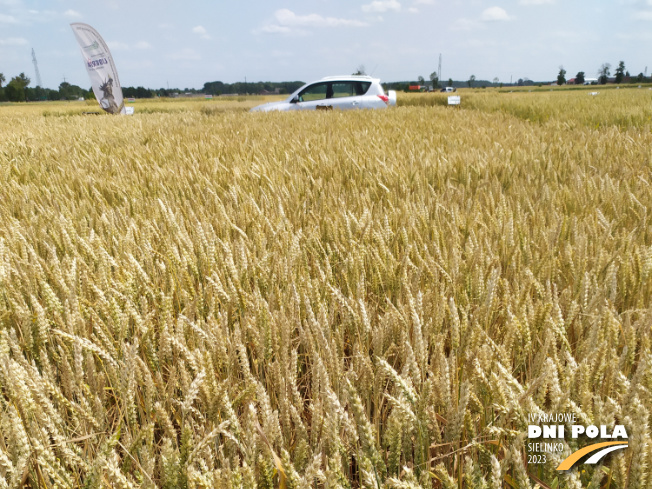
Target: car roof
(350, 77)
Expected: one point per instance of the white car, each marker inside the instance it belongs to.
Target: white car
(336, 92)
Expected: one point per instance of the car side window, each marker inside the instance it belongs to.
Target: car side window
(314, 92)
(362, 87)
(343, 89)
(348, 89)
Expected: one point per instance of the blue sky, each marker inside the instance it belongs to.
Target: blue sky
(184, 44)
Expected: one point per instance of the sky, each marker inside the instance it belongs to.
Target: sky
(159, 43)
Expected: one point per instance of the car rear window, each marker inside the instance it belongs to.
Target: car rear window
(362, 87)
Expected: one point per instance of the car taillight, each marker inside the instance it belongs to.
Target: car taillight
(384, 98)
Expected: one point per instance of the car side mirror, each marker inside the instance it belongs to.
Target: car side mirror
(294, 100)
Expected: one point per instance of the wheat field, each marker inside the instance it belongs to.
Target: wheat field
(201, 297)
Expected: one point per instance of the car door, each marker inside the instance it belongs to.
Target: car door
(351, 94)
(343, 95)
(313, 97)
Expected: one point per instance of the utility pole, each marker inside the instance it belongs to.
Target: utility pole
(39, 83)
(439, 69)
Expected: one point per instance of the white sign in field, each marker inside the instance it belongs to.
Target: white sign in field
(454, 100)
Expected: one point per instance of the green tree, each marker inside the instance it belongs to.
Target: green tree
(450, 82)
(620, 72)
(604, 72)
(70, 92)
(561, 77)
(579, 78)
(2, 79)
(15, 90)
(36, 93)
(22, 80)
(14, 93)
(434, 79)
(64, 90)
(421, 80)
(471, 80)
(360, 71)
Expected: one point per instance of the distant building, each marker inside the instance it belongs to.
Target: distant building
(626, 79)
(277, 91)
(187, 95)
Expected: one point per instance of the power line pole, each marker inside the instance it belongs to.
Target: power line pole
(39, 83)
(439, 69)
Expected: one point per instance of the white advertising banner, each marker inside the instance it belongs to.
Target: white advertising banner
(100, 67)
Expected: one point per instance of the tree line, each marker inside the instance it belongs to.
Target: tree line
(18, 90)
(221, 88)
(621, 75)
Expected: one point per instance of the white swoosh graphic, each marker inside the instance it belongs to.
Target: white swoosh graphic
(595, 458)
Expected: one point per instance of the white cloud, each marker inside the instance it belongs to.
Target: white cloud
(185, 55)
(288, 18)
(636, 37)
(415, 10)
(8, 19)
(13, 41)
(287, 22)
(73, 14)
(493, 14)
(465, 24)
(643, 15)
(382, 6)
(201, 31)
(123, 46)
(42, 16)
(535, 2)
(275, 29)
(281, 54)
(117, 46)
